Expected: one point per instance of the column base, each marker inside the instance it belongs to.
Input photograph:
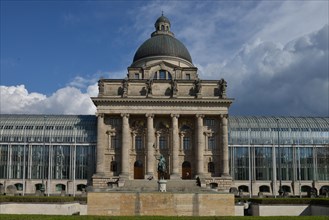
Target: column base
(175, 176)
(225, 175)
(124, 176)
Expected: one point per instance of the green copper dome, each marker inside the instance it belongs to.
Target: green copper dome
(162, 43)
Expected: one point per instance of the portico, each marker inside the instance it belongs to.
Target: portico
(163, 108)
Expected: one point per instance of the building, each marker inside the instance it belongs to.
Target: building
(160, 109)
(163, 108)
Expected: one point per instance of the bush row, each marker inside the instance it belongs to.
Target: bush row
(42, 199)
(291, 201)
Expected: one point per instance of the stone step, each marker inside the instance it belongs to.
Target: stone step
(152, 185)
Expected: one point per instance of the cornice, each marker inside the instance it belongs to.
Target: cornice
(104, 100)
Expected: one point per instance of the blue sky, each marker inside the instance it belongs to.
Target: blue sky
(274, 54)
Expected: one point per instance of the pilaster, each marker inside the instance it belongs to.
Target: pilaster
(200, 146)
(125, 146)
(150, 145)
(224, 145)
(175, 148)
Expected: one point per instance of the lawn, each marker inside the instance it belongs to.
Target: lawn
(57, 217)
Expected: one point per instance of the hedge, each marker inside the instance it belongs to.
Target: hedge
(290, 201)
(42, 199)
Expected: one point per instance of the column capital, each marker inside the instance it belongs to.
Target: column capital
(110, 132)
(223, 116)
(125, 115)
(199, 115)
(148, 115)
(174, 115)
(100, 115)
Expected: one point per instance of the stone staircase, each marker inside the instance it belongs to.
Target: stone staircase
(152, 186)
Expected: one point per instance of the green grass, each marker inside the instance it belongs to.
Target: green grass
(57, 217)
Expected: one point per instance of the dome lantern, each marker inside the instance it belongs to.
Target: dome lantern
(162, 44)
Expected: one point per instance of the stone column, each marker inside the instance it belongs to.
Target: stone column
(100, 144)
(125, 146)
(175, 147)
(200, 146)
(150, 146)
(133, 141)
(181, 145)
(224, 146)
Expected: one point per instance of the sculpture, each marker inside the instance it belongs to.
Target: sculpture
(149, 84)
(100, 86)
(174, 87)
(222, 84)
(198, 86)
(125, 87)
(162, 170)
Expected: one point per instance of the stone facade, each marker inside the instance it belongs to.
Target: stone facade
(163, 108)
(160, 204)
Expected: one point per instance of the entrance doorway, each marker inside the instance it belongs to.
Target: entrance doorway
(138, 170)
(186, 170)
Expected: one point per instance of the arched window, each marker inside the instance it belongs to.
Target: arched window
(60, 187)
(81, 187)
(305, 188)
(40, 186)
(264, 188)
(19, 186)
(286, 188)
(186, 170)
(324, 190)
(243, 188)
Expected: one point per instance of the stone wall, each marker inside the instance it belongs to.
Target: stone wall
(43, 209)
(288, 210)
(160, 204)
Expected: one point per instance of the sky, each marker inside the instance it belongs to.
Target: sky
(273, 54)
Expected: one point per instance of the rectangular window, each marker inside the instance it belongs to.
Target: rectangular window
(136, 75)
(210, 122)
(115, 122)
(186, 143)
(211, 143)
(188, 76)
(163, 142)
(138, 143)
(162, 74)
(115, 142)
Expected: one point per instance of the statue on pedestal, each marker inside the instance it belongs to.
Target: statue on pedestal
(162, 166)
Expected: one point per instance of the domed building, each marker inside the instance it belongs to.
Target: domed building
(162, 108)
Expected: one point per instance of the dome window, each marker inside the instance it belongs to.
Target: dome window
(162, 74)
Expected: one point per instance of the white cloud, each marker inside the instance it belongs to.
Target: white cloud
(267, 78)
(16, 99)
(68, 100)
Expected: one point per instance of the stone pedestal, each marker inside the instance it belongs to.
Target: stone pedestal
(162, 185)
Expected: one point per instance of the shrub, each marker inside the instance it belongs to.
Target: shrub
(291, 201)
(42, 199)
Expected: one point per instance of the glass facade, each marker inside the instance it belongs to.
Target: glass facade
(63, 147)
(260, 146)
(56, 147)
